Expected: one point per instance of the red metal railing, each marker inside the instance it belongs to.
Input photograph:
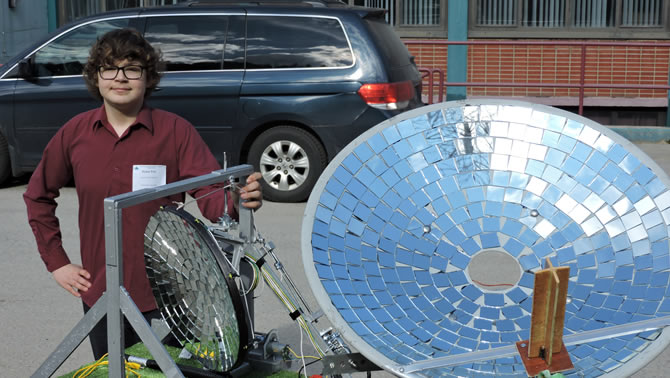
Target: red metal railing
(441, 84)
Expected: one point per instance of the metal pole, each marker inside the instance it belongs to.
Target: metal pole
(457, 56)
(667, 108)
(582, 80)
(114, 277)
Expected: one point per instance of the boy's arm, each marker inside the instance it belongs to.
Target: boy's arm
(51, 174)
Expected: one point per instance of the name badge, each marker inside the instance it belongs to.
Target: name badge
(148, 176)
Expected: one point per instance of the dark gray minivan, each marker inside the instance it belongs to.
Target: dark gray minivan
(283, 87)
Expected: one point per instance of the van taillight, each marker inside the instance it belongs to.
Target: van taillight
(389, 96)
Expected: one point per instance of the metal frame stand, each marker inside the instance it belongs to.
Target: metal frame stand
(116, 302)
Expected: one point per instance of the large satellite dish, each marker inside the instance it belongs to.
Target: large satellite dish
(194, 289)
(421, 237)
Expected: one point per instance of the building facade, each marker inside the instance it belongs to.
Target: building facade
(617, 51)
(21, 23)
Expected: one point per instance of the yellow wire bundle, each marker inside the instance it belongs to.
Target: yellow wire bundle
(288, 303)
(131, 367)
(301, 357)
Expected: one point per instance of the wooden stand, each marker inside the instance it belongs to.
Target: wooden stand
(545, 349)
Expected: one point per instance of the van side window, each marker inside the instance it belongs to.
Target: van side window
(189, 43)
(296, 42)
(67, 55)
(233, 55)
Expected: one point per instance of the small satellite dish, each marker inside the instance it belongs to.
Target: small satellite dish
(194, 289)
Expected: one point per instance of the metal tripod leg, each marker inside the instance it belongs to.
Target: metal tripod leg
(148, 337)
(93, 317)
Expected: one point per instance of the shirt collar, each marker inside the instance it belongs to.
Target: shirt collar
(143, 119)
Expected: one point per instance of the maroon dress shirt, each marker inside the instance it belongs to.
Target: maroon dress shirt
(88, 149)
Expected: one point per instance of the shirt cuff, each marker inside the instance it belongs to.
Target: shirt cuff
(55, 259)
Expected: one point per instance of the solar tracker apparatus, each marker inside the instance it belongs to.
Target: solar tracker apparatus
(116, 303)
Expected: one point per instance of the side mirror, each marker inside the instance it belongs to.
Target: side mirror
(26, 69)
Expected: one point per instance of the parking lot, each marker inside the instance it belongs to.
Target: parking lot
(36, 314)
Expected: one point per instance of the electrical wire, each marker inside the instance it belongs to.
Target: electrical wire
(255, 279)
(290, 305)
(299, 357)
(246, 307)
(131, 367)
(313, 362)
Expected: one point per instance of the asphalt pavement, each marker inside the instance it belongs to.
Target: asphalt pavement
(36, 314)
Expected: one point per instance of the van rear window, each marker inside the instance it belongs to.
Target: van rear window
(296, 42)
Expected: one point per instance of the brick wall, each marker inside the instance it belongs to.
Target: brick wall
(556, 64)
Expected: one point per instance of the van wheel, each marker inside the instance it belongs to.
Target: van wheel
(5, 167)
(290, 160)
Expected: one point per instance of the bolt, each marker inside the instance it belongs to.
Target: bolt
(534, 213)
(426, 229)
(288, 159)
(285, 172)
(278, 167)
(279, 160)
(290, 166)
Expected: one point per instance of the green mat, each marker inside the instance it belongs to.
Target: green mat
(140, 350)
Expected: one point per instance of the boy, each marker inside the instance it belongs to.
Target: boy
(99, 149)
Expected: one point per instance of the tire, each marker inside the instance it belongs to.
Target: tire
(5, 166)
(274, 154)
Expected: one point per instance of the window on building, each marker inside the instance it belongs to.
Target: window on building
(641, 12)
(496, 12)
(593, 13)
(545, 18)
(408, 12)
(388, 5)
(420, 12)
(543, 13)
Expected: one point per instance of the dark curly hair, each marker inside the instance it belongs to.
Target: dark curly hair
(118, 45)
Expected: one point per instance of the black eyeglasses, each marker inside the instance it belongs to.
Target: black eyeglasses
(131, 72)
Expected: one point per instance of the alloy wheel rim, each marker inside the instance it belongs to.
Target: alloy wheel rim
(284, 165)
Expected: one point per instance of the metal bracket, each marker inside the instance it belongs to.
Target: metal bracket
(347, 364)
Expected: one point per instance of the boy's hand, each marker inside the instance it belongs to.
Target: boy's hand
(251, 193)
(72, 278)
